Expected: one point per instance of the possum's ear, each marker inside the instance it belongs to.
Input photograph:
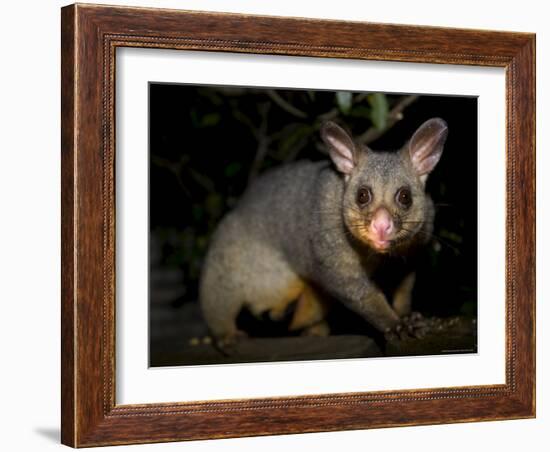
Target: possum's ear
(426, 146)
(340, 146)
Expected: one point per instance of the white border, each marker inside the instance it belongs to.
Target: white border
(136, 383)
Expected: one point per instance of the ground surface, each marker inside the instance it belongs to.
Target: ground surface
(179, 336)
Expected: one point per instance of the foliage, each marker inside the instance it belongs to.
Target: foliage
(207, 144)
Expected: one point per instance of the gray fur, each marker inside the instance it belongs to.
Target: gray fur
(299, 222)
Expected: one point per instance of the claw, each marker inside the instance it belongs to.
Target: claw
(413, 326)
(415, 316)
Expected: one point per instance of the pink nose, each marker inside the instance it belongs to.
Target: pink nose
(382, 224)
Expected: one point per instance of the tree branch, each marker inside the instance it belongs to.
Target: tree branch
(263, 143)
(174, 168)
(395, 115)
(289, 108)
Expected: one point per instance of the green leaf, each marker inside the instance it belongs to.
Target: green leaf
(360, 111)
(344, 99)
(194, 118)
(450, 235)
(197, 212)
(210, 119)
(232, 169)
(469, 308)
(214, 205)
(379, 110)
(292, 139)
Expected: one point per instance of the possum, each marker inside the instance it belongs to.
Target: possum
(307, 232)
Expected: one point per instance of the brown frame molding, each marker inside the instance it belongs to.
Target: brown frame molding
(90, 34)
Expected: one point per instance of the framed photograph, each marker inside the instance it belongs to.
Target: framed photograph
(282, 225)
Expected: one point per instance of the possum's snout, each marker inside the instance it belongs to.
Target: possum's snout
(380, 230)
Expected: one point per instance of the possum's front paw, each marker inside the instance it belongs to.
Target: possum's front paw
(227, 343)
(320, 329)
(412, 326)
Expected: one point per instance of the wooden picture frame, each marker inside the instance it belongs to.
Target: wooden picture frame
(90, 36)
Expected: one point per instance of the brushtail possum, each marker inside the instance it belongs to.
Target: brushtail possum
(313, 231)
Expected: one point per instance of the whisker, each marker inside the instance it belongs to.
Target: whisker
(438, 238)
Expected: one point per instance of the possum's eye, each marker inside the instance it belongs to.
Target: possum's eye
(404, 197)
(364, 196)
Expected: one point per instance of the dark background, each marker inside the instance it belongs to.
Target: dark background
(208, 143)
